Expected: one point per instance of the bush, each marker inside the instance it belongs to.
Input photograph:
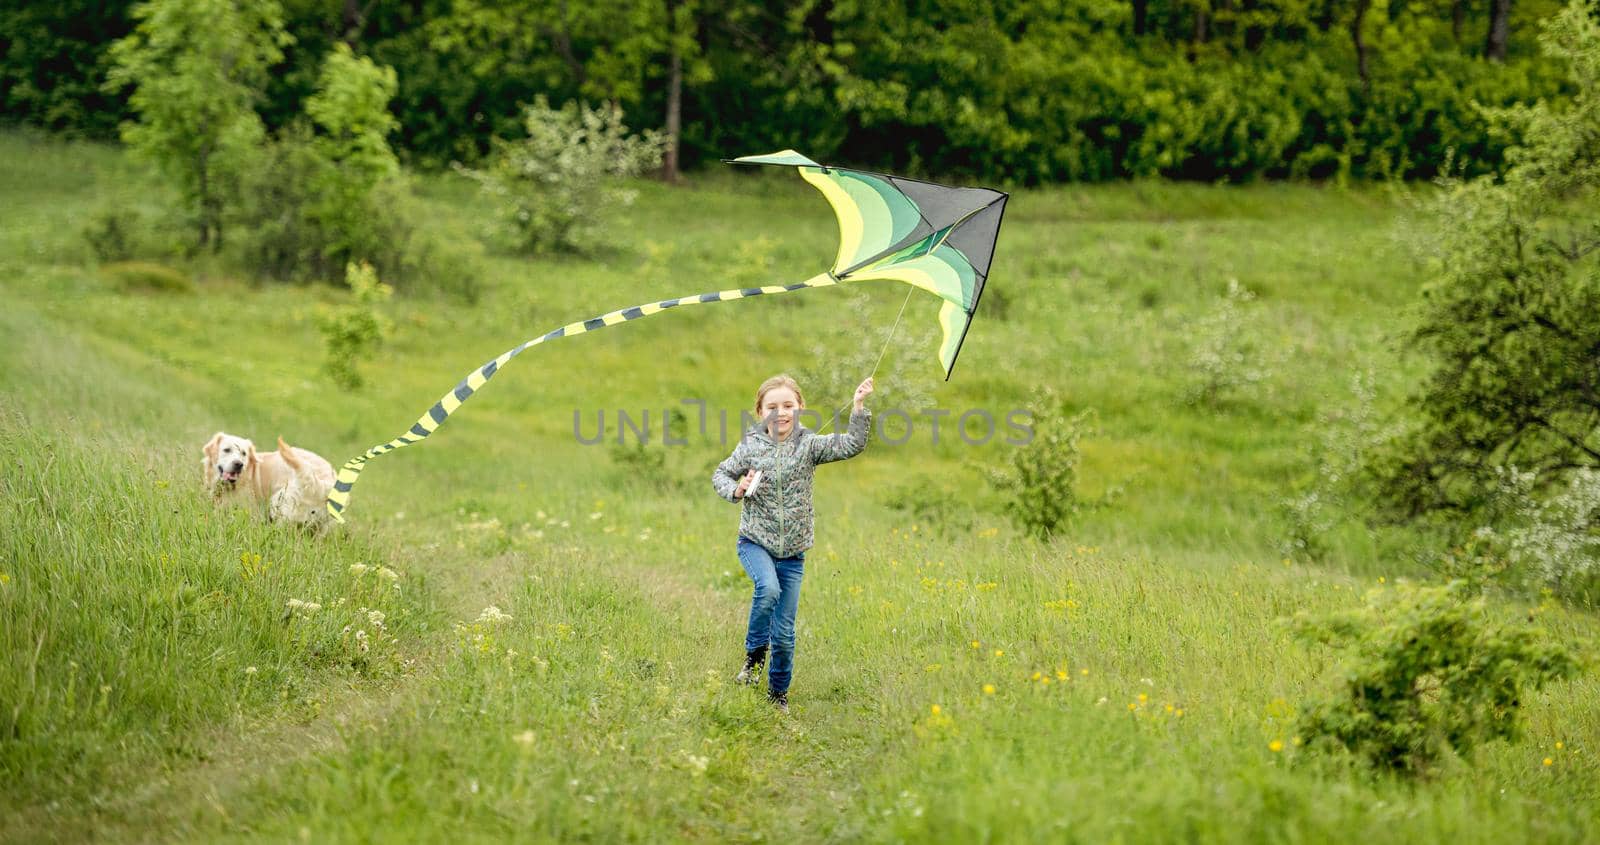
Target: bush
(1427, 673)
(1337, 454)
(556, 185)
(147, 276)
(114, 234)
(1225, 358)
(354, 332)
(1039, 484)
(926, 503)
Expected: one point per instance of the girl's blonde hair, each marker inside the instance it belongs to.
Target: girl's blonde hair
(777, 381)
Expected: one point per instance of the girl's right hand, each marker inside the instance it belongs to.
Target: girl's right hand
(744, 483)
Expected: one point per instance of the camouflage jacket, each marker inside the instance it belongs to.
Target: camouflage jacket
(779, 515)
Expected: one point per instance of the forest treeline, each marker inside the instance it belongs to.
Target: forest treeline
(1024, 92)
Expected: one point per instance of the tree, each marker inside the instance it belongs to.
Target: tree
(52, 68)
(1511, 315)
(328, 191)
(197, 67)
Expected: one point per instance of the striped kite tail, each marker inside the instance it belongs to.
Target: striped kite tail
(428, 423)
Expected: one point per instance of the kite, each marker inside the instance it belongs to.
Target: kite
(935, 237)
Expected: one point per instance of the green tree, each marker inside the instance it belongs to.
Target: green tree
(1511, 316)
(351, 112)
(329, 191)
(197, 68)
(53, 67)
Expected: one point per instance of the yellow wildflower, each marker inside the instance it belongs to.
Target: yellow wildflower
(988, 689)
(935, 710)
(1061, 674)
(1549, 762)
(1275, 746)
(999, 652)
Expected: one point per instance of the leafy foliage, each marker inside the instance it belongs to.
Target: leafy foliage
(1428, 673)
(556, 184)
(354, 332)
(1022, 91)
(1041, 499)
(1226, 357)
(196, 69)
(1511, 316)
(330, 192)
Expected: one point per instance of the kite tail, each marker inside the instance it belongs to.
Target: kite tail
(428, 423)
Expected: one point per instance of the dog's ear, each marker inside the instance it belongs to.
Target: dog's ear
(208, 460)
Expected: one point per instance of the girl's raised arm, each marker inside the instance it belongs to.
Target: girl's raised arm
(826, 448)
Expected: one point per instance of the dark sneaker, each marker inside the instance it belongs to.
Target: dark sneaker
(780, 701)
(750, 675)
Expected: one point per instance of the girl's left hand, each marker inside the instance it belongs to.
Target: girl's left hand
(862, 392)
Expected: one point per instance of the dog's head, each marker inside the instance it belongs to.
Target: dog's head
(227, 458)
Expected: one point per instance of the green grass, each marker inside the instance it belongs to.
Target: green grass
(131, 609)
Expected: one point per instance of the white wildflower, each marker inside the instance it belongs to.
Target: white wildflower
(492, 614)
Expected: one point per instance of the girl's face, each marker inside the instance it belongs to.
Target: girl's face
(779, 407)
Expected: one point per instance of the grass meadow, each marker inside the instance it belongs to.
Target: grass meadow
(174, 671)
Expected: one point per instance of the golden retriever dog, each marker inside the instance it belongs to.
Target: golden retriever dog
(292, 482)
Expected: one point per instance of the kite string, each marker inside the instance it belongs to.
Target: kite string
(886, 341)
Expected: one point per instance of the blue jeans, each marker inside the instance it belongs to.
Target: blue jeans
(773, 608)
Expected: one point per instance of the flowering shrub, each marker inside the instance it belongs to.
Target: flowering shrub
(1226, 357)
(557, 183)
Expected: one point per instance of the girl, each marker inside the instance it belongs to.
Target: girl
(775, 519)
